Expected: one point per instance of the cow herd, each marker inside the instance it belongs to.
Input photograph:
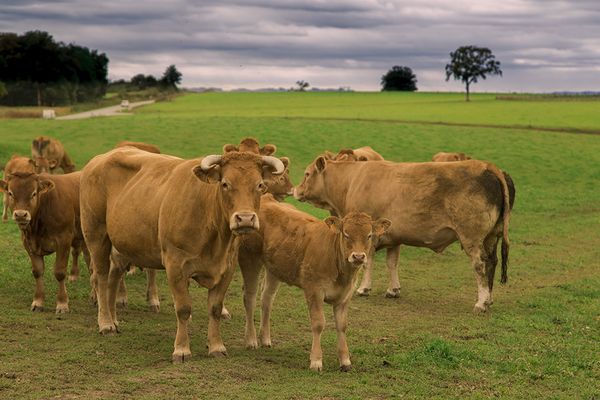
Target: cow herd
(197, 219)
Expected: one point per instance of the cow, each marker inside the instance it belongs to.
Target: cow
(430, 205)
(46, 209)
(444, 157)
(365, 153)
(52, 150)
(15, 164)
(140, 145)
(184, 216)
(320, 257)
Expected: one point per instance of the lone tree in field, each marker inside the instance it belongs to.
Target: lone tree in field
(400, 79)
(469, 63)
(171, 77)
(302, 85)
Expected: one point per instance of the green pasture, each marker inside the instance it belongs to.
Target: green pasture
(540, 340)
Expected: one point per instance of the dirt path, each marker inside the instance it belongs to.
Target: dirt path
(106, 112)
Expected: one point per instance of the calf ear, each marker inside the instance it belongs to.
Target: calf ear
(362, 158)
(268, 149)
(229, 147)
(45, 185)
(321, 163)
(212, 175)
(381, 226)
(3, 186)
(334, 222)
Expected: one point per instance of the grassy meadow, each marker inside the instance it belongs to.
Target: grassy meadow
(540, 340)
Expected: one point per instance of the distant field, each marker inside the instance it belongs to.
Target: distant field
(539, 341)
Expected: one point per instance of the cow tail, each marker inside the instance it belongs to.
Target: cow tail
(505, 220)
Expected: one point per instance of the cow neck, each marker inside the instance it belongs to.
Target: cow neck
(341, 182)
(339, 259)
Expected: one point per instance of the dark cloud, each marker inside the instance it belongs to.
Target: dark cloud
(542, 44)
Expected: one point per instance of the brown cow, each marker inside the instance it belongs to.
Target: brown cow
(430, 205)
(46, 208)
(50, 149)
(181, 215)
(320, 257)
(365, 153)
(444, 157)
(15, 164)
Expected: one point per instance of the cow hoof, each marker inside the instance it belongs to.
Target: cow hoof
(122, 302)
(266, 343)
(62, 308)
(480, 310)
(346, 368)
(218, 353)
(363, 292)
(37, 307)
(225, 314)
(181, 356)
(316, 366)
(108, 330)
(73, 278)
(154, 308)
(392, 293)
(251, 344)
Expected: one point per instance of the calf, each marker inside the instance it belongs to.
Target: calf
(46, 209)
(445, 157)
(15, 164)
(320, 257)
(52, 150)
(365, 153)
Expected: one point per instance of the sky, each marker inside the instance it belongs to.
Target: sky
(543, 45)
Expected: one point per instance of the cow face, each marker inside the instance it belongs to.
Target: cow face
(240, 176)
(42, 165)
(24, 191)
(358, 234)
(312, 188)
(279, 186)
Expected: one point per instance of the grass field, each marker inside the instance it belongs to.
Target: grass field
(541, 339)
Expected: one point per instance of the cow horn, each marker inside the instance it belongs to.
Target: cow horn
(209, 162)
(275, 163)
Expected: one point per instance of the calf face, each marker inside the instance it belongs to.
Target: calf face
(42, 165)
(240, 177)
(358, 234)
(24, 191)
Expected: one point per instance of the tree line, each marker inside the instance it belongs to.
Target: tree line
(37, 70)
(169, 80)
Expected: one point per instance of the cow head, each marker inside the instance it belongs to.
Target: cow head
(240, 178)
(349, 155)
(312, 188)
(24, 191)
(280, 185)
(357, 235)
(42, 165)
(40, 144)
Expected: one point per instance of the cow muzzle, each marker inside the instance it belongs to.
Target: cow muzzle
(22, 218)
(298, 195)
(243, 222)
(357, 258)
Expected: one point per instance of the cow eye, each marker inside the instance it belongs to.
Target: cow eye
(11, 194)
(369, 236)
(345, 235)
(262, 187)
(33, 194)
(306, 174)
(225, 185)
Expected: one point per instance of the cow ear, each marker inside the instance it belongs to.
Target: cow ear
(285, 161)
(268, 149)
(362, 158)
(334, 223)
(30, 161)
(381, 226)
(321, 163)
(3, 186)
(52, 163)
(229, 147)
(328, 155)
(45, 185)
(213, 175)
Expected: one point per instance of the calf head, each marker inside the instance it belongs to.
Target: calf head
(42, 165)
(240, 176)
(38, 145)
(358, 234)
(25, 190)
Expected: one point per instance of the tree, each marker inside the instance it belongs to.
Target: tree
(2, 89)
(302, 85)
(469, 63)
(399, 78)
(171, 77)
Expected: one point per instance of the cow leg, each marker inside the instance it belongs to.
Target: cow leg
(491, 247)
(60, 273)
(4, 207)
(152, 290)
(365, 284)
(183, 310)
(340, 312)
(121, 296)
(391, 261)
(250, 271)
(267, 297)
(100, 252)
(37, 269)
(478, 260)
(74, 274)
(216, 295)
(317, 323)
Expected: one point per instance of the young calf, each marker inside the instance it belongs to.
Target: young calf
(321, 257)
(46, 209)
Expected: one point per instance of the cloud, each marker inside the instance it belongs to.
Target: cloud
(543, 45)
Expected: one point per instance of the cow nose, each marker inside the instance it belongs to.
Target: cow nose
(297, 194)
(20, 215)
(244, 221)
(358, 257)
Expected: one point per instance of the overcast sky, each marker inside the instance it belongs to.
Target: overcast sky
(543, 45)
